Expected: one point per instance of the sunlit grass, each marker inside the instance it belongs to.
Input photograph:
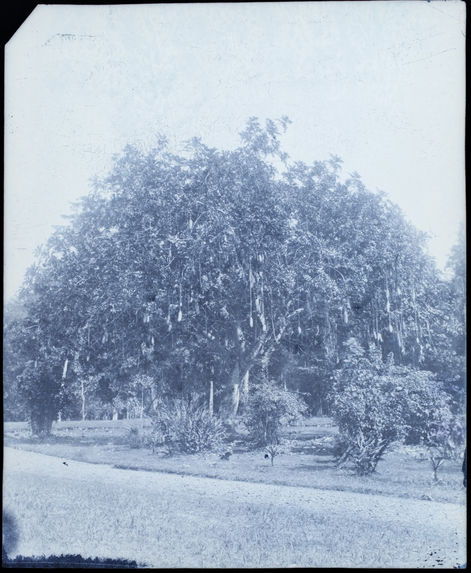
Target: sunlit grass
(179, 529)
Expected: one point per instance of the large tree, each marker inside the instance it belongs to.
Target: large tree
(212, 270)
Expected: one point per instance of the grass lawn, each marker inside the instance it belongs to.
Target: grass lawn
(169, 520)
(307, 460)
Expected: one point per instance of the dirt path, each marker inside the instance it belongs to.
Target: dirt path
(447, 518)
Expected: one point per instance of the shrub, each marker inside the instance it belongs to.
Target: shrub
(186, 426)
(429, 418)
(269, 408)
(272, 451)
(134, 438)
(444, 441)
(367, 408)
(443, 436)
(376, 403)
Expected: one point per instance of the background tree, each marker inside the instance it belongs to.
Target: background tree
(14, 407)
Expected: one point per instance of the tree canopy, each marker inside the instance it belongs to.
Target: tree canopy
(213, 270)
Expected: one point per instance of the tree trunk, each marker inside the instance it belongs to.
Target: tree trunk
(235, 388)
(142, 409)
(235, 399)
(245, 386)
(82, 394)
(211, 398)
(247, 357)
(41, 423)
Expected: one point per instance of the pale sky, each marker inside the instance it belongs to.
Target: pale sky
(381, 84)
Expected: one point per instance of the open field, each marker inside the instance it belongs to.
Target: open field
(307, 460)
(170, 520)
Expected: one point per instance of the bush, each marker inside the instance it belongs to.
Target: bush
(444, 440)
(269, 408)
(376, 403)
(429, 418)
(367, 408)
(134, 438)
(443, 435)
(186, 426)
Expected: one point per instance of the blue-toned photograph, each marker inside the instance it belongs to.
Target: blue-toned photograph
(235, 286)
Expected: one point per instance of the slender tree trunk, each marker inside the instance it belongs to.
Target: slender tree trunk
(284, 377)
(153, 397)
(245, 386)
(235, 388)
(211, 398)
(247, 357)
(142, 409)
(235, 399)
(82, 394)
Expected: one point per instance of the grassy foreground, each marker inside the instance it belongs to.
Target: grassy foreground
(163, 520)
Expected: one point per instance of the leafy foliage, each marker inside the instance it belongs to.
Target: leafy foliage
(134, 439)
(377, 403)
(444, 440)
(204, 271)
(438, 428)
(367, 407)
(269, 409)
(185, 426)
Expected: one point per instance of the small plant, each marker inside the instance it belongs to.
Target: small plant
(134, 438)
(443, 440)
(272, 451)
(429, 417)
(186, 426)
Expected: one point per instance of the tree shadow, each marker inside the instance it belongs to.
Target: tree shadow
(313, 450)
(318, 466)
